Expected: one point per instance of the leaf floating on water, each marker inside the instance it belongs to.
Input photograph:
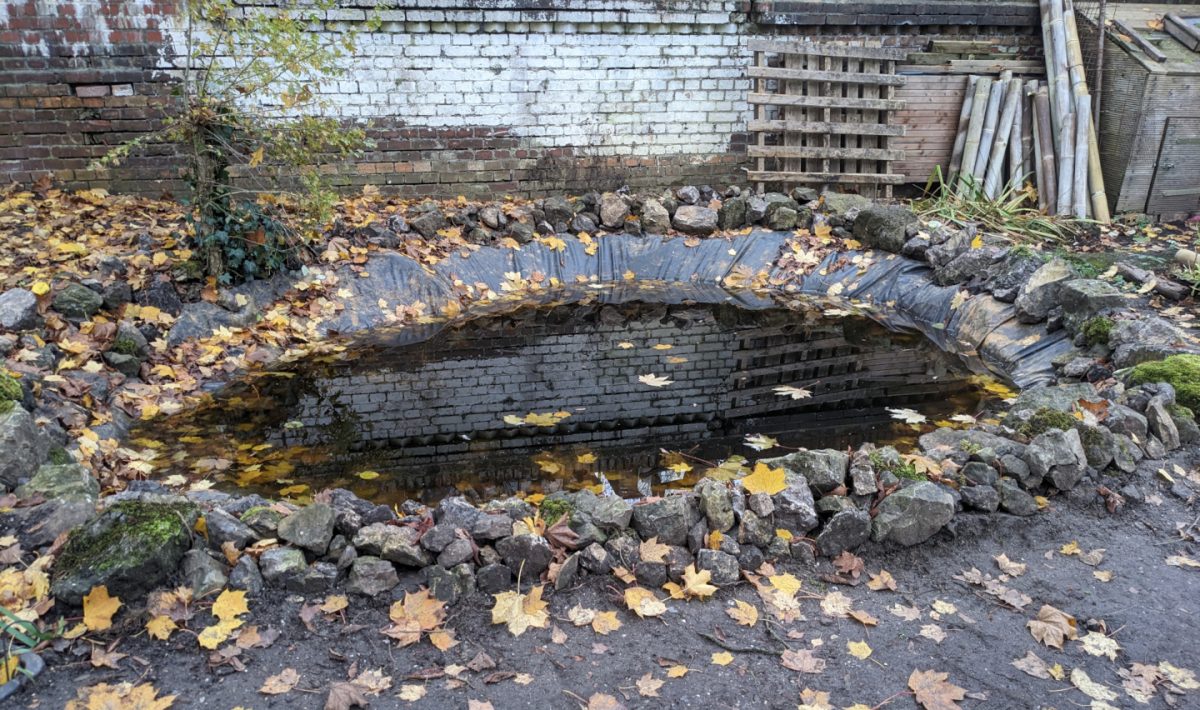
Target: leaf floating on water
(793, 392)
(654, 380)
(908, 416)
(761, 442)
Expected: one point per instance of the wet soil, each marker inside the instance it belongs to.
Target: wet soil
(1151, 609)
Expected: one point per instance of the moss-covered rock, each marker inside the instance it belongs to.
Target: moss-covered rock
(1045, 419)
(10, 389)
(1180, 371)
(1096, 330)
(130, 548)
(554, 508)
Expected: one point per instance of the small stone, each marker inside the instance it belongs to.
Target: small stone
(20, 449)
(667, 519)
(655, 218)
(346, 558)
(613, 211)
(457, 552)
(557, 210)
(1154, 448)
(824, 469)
(223, 527)
(688, 195)
(202, 573)
(428, 224)
(1082, 299)
(311, 527)
(595, 559)
(750, 558)
(716, 503)
(756, 209)
(371, 576)
(722, 567)
(263, 521)
(68, 482)
(912, 515)
(493, 578)
(651, 574)
(845, 204)
(318, 578)
(795, 509)
(280, 564)
(531, 554)
(393, 543)
(1126, 454)
(755, 530)
(732, 214)
(492, 526)
(1161, 425)
(1099, 445)
(18, 310)
(982, 497)
(1040, 293)
(77, 301)
(583, 223)
(568, 573)
(1059, 456)
(698, 221)
(782, 219)
(979, 474)
(883, 226)
(761, 504)
(1145, 338)
(846, 530)
(492, 217)
(830, 505)
(1013, 500)
(862, 474)
(611, 514)
(245, 575)
(438, 537)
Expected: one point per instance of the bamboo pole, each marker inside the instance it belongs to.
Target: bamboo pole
(1099, 197)
(1066, 164)
(1060, 97)
(983, 89)
(1016, 141)
(1048, 53)
(1083, 111)
(1038, 169)
(1027, 129)
(1004, 127)
(1101, 40)
(1046, 139)
(964, 121)
(988, 136)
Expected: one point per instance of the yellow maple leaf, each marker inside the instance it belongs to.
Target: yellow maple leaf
(230, 604)
(859, 649)
(419, 612)
(99, 608)
(40, 288)
(521, 611)
(677, 671)
(218, 633)
(123, 695)
(743, 613)
(280, 683)
(256, 157)
(605, 622)
(695, 584)
(722, 658)
(642, 602)
(160, 627)
(764, 479)
(589, 457)
(335, 603)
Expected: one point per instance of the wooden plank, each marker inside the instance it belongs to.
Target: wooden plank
(816, 75)
(974, 66)
(1144, 44)
(1182, 30)
(754, 175)
(824, 102)
(772, 151)
(820, 127)
(827, 50)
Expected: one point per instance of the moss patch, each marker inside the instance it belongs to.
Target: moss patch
(124, 346)
(10, 389)
(1096, 330)
(1180, 371)
(1181, 412)
(1045, 419)
(124, 535)
(553, 509)
(59, 456)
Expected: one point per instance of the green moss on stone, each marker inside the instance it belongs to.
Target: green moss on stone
(1181, 412)
(909, 471)
(124, 346)
(6, 406)
(553, 509)
(59, 456)
(1045, 419)
(1180, 371)
(1096, 330)
(150, 525)
(10, 389)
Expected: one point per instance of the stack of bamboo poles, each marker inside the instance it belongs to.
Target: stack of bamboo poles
(1012, 131)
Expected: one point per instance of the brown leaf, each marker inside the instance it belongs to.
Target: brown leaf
(648, 685)
(603, 701)
(849, 563)
(561, 535)
(1053, 626)
(804, 661)
(281, 682)
(933, 692)
(343, 696)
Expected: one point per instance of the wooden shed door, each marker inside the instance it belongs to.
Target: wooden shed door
(1176, 187)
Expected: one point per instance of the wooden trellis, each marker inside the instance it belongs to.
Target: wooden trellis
(823, 114)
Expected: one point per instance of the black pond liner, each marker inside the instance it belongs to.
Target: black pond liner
(544, 392)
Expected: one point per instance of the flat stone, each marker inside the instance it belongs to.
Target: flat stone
(70, 482)
(202, 573)
(428, 224)
(1061, 398)
(862, 474)
(1144, 339)
(846, 530)
(1126, 454)
(394, 543)
(824, 469)
(1082, 299)
(912, 515)
(611, 514)
(761, 504)
(845, 204)
(40, 525)
(311, 527)
(979, 474)
(371, 576)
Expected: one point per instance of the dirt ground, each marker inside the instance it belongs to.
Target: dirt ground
(1151, 609)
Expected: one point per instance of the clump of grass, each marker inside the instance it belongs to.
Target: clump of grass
(554, 508)
(1013, 213)
(1096, 330)
(1043, 420)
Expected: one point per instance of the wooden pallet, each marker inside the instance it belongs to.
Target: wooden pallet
(823, 114)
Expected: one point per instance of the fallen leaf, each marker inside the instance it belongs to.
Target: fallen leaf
(760, 442)
(859, 649)
(603, 701)
(908, 613)
(1007, 566)
(1098, 644)
(804, 661)
(642, 602)
(605, 622)
(411, 693)
(343, 696)
(677, 671)
(793, 392)
(933, 691)
(1052, 626)
(648, 686)
(653, 551)
(230, 604)
(764, 479)
(933, 632)
(695, 584)
(99, 608)
(722, 658)
(521, 611)
(160, 627)
(743, 613)
(654, 380)
(882, 581)
(280, 683)
(1089, 687)
(1032, 665)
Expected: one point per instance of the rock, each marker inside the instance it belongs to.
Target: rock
(70, 482)
(223, 527)
(782, 219)
(1061, 398)
(279, 564)
(655, 218)
(804, 194)
(844, 204)
(558, 210)
(262, 520)
(715, 503)
(1059, 456)
(583, 222)
(491, 526)
(20, 448)
(40, 525)
(1013, 500)
(245, 575)
(912, 515)
(160, 295)
(131, 548)
(761, 504)
(371, 576)
(492, 217)
(1082, 299)
(595, 559)
(795, 510)
(971, 265)
(127, 365)
(732, 214)
(1189, 429)
(1014, 466)
(651, 574)
(979, 474)
(722, 567)
(1126, 454)
(450, 585)
(756, 209)
(493, 578)
(346, 557)
(399, 544)
(311, 527)
(985, 498)
(531, 554)
(688, 195)
(1005, 277)
(1160, 422)
(755, 530)
(1040, 293)
(1099, 445)
(611, 514)
(438, 537)
(883, 226)
(317, 578)
(698, 221)
(568, 573)
(613, 211)
(846, 530)
(667, 519)
(830, 505)
(202, 573)
(917, 247)
(18, 310)
(521, 232)
(824, 469)
(77, 301)
(750, 557)
(428, 224)
(457, 552)
(862, 474)
(941, 254)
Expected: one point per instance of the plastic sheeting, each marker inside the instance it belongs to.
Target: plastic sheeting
(623, 267)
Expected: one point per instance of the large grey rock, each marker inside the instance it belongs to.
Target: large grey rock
(883, 226)
(77, 301)
(428, 224)
(755, 530)
(1058, 456)
(1040, 293)
(1127, 421)
(1082, 299)
(1013, 500)
(912, 515)
(130, 341)
(460, 550)
(130, 548)
(18, 310)
(824, 469)
(40, 525)
(491, 526)
(529, 554)
(846, 530)
(20, 448)
(65, 482)
(1099, 444)
(732, 214)
(667, 519)
(558, 210)
(198, 320)
(245, 575)
(716, 504)
(493, 578)
(450, 585)
(1161, 424)
(984, 498)
(971, 265)
(202, 573)
(613, 211)
(311, 527)
(692, 219)
(978, 473)
(862, 472)
(756, 209)
(1145, 339)
(223, 527)
(655, 218)
(688, 195)
(438, 537)
(317, 578)
(1062, 398)
(722, 566)
(399, 544)
(845, 204)
(782, 219)
(1005, 278)
(280, 564)
(371, 576)
(1126, 454)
